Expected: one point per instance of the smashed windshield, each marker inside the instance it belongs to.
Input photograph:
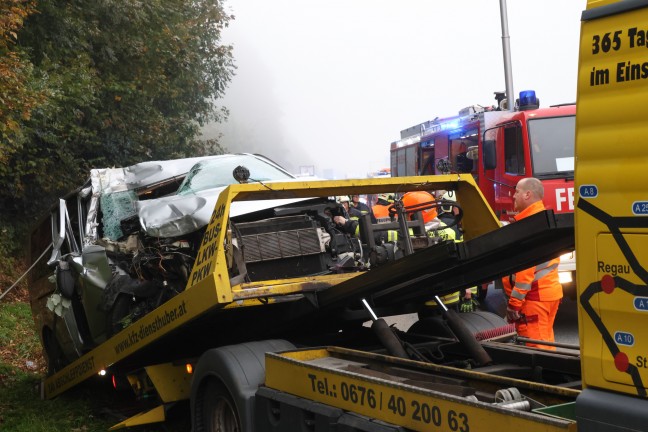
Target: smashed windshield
(552, 144)
(217, 172)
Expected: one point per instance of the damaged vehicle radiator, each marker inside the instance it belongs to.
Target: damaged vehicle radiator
(283, 247)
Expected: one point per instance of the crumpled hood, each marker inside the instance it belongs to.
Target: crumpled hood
(177, 215)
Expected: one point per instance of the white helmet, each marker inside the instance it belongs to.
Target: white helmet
(386, 197)
(448, 196)
(342, 198)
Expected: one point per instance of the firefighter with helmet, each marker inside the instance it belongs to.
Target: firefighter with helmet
(345, 222)
(357, 208)
(344, 201)
(436, 226)
(447, 216)
(448, 213)
(415, 199)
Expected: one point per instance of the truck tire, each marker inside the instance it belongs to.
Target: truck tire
(476, 322)
(219, 411)
(224, 384)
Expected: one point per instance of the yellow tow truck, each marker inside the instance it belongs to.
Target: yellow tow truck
(270, 271)
(256, 314)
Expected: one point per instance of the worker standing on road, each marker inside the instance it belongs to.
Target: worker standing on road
(533, 294)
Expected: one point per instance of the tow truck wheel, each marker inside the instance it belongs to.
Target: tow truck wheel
(224, 385)
(219, 410)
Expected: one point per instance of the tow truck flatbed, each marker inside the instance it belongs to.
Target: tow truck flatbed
(439, 269)
(414, 395)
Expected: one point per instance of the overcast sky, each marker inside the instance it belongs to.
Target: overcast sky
(331, 83)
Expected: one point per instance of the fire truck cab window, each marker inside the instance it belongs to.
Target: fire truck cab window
(458, 154)
(513, 151)
(552, 145)
(427, 159)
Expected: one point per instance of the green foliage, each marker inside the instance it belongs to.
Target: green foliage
(86, 408)
(118, 82)
(21, 408)
(18, 97)
(7, 248)
(84, 85)
(91, 407)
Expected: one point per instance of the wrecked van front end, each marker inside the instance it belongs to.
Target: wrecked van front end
(124, 243)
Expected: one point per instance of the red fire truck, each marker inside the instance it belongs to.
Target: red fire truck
(498, 148)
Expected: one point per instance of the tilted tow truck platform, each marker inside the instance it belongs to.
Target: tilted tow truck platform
(225, 308)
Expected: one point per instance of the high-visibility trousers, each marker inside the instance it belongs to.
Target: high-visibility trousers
(538, 321)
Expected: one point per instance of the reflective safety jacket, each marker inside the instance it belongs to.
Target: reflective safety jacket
(351, 227)
(452, 298)
(381, 212)
(440, 229)
(539, 283)
(436, 228)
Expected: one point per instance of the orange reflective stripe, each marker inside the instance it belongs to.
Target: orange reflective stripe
(538, 283)
(540, 317)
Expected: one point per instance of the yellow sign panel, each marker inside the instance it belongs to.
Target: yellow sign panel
(396, 403)
(611, 214)
(208, 255)
(623, 305)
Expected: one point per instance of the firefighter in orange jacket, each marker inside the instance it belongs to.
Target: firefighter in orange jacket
(533, 294)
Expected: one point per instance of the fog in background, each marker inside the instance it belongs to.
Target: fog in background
(330, 84)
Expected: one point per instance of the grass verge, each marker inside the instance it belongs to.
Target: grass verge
(21, 368)
(89, 407)
(22, 409)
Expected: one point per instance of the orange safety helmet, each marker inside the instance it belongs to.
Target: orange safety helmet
(418, 198)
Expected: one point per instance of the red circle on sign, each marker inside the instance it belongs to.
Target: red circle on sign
(621, 362)
(608, 284)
